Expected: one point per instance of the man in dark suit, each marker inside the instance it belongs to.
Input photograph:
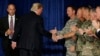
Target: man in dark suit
(31, 30)
(7, 26)
(97, 24)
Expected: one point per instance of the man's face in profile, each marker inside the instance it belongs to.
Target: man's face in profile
(69, 11)
(98, 12)
(40, 10)
(79, 13)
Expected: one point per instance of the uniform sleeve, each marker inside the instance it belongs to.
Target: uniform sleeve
(66, 29)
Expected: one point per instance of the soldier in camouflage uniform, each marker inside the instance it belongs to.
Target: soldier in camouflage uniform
(96, 49)
(88, 41)
(80, 39)
(92, 43)
(69, 42)
(85, 42)
(96, 24)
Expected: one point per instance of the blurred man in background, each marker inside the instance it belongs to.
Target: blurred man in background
(7, 27)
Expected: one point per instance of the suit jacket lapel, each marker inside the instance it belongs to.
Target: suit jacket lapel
(6, 22)
(16, 19)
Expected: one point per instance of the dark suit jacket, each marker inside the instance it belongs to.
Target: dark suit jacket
(98, 34)
(31, 30)
(4, 26)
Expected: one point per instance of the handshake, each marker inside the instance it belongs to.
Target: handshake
(55, 37)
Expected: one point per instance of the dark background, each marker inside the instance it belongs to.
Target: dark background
(54, 15)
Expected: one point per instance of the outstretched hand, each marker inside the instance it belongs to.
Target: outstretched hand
(53, 31)
(54, 34)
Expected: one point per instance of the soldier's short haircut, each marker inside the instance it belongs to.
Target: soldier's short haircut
(88, 8)
(71, 7)
(93, 10)
(98, 6)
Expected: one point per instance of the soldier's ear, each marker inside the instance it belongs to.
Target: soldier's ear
(74, 11)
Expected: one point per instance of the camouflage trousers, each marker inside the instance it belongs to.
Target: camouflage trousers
(89, 50)
(96, 51)
(69, 53)
(80, 54)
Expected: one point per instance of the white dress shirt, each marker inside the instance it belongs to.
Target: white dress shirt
(98, 30)
(9, 19)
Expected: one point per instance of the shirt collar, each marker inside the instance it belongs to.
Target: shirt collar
(12, 16)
